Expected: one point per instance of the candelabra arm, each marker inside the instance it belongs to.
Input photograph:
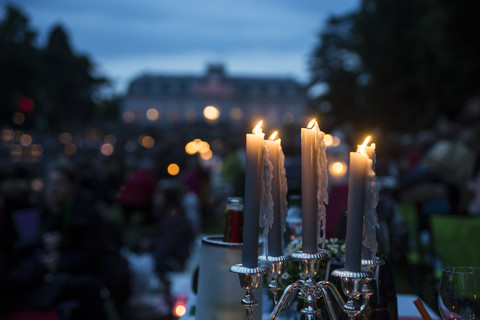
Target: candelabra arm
(328, 287)
(285, 299)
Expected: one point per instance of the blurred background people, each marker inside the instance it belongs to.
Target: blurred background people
(137, 192)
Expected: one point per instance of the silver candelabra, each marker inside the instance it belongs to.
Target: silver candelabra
(354, 285)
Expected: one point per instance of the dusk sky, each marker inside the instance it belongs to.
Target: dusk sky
(125, 38)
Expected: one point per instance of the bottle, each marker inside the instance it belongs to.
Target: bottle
(383, 302)
(294, 219)
(234, 220)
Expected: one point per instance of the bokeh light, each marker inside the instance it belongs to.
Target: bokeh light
(128, 117)
(107, 149)
(207, 155)
(25, 140)
(70, 149)
(36, 150)
(211, 113)
(18, 118)
(191, 147)
(336, 141)
(197, 145)
(152, 114)
(8, 135)
(337, 169)
(173, 169)
(16, 150)
(147, 142)
(328, 139)
(26, 104)
(65, 137)
(179, 310)
(203, 147)
(37, 185)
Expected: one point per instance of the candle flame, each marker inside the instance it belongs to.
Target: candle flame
(258, 127)
(273, 137)
(311, 124)
(364, 144)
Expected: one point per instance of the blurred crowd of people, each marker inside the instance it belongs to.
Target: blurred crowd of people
(86, 231)
(75, 239)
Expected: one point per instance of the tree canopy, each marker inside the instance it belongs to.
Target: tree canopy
(51, 87)
(399, 63)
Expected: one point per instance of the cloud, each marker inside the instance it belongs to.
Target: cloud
(123, 35)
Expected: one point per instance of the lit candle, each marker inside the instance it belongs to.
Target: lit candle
(356, 207)
(253, 179)
(371, 200)
(275, 233)
(314, 186)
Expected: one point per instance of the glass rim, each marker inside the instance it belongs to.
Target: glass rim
(461, 269)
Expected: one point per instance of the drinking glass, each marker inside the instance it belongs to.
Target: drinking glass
(459, 293)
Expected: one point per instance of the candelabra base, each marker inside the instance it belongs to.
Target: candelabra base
(354, 286)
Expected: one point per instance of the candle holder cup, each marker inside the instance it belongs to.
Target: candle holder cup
(275, 266)
(249, 281)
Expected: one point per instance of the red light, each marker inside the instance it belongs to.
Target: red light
(179, 310)
(26, 104)
(180, 306)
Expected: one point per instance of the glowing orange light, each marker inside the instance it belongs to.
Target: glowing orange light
(337, 169)
(152, 114)
(203, 147)
(336, 141)
(179, 310)
(207, 155)
(191, 148)
(106, 149)
(364, 144)
(173, 169)
(328, 139)
(211, 113)
(147, 142)
(258, 128)
(273, 137)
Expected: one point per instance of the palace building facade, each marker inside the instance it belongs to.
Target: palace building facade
(179, 98)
